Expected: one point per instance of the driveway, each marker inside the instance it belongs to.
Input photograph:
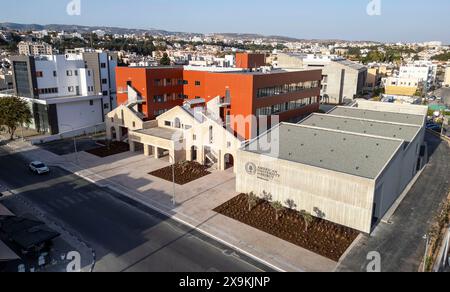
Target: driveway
(402, 244)
(67, 146)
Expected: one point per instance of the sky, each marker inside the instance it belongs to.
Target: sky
(396, 20)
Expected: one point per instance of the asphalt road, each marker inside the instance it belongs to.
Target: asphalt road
(125, 235)
(401, 244)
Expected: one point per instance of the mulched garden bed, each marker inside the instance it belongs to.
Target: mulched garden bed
(185, 172)
(114, 148)
(323, 237)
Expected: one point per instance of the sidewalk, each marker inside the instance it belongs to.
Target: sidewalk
(127, 173)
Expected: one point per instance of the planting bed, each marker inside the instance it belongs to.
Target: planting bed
(114, 148)
(185, 172)
(322, 237)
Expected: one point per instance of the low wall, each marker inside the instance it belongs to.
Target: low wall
(70, 134)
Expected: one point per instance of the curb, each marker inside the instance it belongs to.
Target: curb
(174, 217)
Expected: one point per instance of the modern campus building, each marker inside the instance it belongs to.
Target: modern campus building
(245, 94)
(348, 166)
(411, 79)
(62, 90)
(342, 80)
(192, 132)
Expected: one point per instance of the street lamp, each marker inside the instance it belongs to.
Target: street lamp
(74, 142)
(173, 178)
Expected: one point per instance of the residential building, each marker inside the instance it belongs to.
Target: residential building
(342, 80)
(402, 86)
(350, 165)
(60, 91)
(34, 48)
(246, 94)
(6, 80)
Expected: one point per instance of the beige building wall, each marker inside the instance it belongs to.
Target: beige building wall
(337, 197)
(447, 77)
(123, 117)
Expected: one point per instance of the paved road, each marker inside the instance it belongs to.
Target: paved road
(401, 245)
(126, 236)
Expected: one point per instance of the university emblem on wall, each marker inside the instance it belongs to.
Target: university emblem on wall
(250, 167)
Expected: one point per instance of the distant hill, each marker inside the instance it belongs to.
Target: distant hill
(151, 31)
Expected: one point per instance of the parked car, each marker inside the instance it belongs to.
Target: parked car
(38, 167)
(434, 127)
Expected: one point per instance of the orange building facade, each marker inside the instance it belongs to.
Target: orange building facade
(246, 95)
(248, 61)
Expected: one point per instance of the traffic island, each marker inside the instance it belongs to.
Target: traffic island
(109, 149)
(185, 172)
(319, 236)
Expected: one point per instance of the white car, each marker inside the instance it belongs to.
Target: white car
(38, 167)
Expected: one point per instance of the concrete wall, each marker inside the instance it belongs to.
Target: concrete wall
(336, 197)
(122, 117)
(80, 114)
(394, 108)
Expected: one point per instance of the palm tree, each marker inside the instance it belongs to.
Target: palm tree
(252, 200)
(308, 218)
(278, 208)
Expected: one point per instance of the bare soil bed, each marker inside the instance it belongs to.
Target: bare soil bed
(114, 148)
(322, 237)
(185, 172)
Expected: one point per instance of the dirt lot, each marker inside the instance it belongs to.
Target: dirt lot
(322, 237)
(185, 172)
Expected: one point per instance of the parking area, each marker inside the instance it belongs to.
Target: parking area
(67, 146)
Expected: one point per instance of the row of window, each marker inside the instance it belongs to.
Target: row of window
(172, 82)
(287, 106)
(159, 112)
(168, 97)
(48, 90)
(286, 88)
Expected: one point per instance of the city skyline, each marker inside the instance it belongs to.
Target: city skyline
(203, 17)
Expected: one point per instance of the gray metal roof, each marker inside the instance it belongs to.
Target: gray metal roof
(378, 115)
(164, 133)
(355, 154)
(361, 126)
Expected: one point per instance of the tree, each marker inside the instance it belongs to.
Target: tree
(165, 60)
(252, 200)
(291, 204)
(278, 207)
(308, 218)
(266, 196)
(14, 112)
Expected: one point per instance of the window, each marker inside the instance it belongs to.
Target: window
(55, 74)
(197, 83)
(91, 102)
(69, 73)
(105, 93)
(185, 82)
(106, 106)
(197, 97)
(158, 99)
(39, 74)
(194, 137)
(134, 124)
(286, 88)
(103, 65)
(104, 81)
(168, 124)
(76, 72)
(89, 72)
(157, 82)
(70, 88)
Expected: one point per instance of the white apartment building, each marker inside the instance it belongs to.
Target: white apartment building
(33, 48)
(61, 92)
(422, 71)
